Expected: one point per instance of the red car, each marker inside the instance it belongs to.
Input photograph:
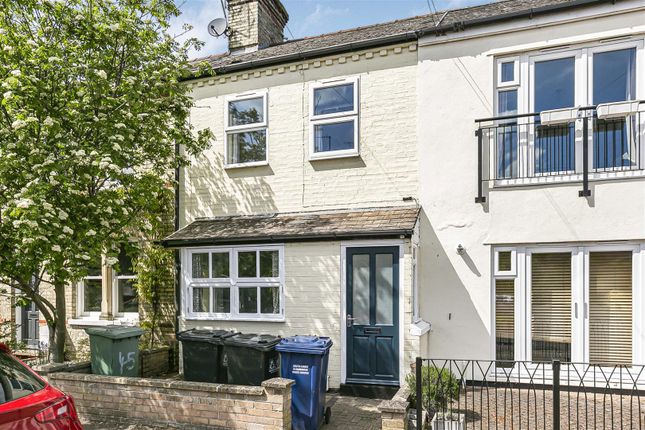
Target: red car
(28, 402)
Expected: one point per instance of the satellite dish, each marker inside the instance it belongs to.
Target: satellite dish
(217, 27)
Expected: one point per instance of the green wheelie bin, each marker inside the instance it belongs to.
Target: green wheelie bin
(114, 350)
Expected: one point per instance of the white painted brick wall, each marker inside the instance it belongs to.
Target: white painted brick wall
(385, 172)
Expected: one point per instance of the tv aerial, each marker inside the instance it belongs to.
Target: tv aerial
(218, 27)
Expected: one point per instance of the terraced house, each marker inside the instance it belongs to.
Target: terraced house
(465, 184)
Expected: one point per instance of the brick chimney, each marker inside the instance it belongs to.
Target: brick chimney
(255, 24)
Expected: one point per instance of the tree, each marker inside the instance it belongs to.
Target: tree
(92, 108)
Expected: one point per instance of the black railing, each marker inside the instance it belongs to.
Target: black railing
(522, 149)
(481, 394)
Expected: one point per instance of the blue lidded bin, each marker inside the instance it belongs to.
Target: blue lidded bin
(304, 359)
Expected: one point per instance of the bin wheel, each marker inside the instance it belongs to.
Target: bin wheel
(327, 415)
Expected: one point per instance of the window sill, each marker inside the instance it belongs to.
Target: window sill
(332, 155)
(237, 319)
(245, 165)
(93, 322)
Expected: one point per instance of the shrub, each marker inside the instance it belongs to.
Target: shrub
(439, 387)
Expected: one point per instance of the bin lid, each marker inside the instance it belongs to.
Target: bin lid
(305, 344)
(114, 331)
(211, 336)
(262, 342)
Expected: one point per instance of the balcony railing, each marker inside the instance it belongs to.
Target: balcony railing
(568, 144)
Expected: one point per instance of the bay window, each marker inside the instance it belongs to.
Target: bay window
(334, 119)
(234, 283)
(246, 130)
(574, 304)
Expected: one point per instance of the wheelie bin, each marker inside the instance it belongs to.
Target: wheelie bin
(202, 356)
(114, 350)
(251, 358)
(304, 359)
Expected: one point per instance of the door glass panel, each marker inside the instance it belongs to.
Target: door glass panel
(551, 306)
(384, 289)
(505, 320)
(610, 307)
(614, 76)
(361, 289)
(554, 84)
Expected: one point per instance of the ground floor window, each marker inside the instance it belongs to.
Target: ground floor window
(244, 282)
(570, 304)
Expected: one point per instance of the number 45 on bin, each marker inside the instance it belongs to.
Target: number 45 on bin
(127, 361)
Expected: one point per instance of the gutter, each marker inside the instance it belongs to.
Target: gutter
(180, 243)
(409, 36)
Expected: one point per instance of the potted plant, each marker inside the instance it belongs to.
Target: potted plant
(439, 389)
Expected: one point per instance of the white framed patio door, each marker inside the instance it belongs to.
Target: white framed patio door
(579, 304)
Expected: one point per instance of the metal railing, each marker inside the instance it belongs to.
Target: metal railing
(485, 394)
(522, 149)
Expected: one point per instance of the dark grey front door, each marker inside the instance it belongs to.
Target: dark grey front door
(373, 315)
(30, 317)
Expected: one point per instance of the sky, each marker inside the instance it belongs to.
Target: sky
(308, 17)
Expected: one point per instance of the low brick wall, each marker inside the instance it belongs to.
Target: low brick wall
(180, 404)
(154, 362)
(394, 412)
(69, 366)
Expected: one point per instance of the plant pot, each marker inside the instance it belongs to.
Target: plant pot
(617, 109)
(442, 421)
(558, 116)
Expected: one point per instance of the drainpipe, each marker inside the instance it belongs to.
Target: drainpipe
(177, 251)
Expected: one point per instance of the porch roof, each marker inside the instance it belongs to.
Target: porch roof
(297, 226)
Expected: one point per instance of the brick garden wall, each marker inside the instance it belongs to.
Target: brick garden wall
(190, 405)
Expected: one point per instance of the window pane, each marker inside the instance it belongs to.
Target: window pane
(200, 265)
(127, 296)
(247, 146)
(384, 289)
(508, 71)
(270, 300)
(248, 300)
(507, 102)
(551, 306)
(614, 76)
(92, 295)
(610, 307)
(505, 319)
(94, 268)
(554, 84)
(246, 264)
(220, 265)
(222, 300)
(334, 99)
(334, 137)
(269, 264)
(125, 262)
(361, 289)
(201, 299)
(243, 112)
(504, 263)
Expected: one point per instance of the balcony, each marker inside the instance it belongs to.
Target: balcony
(564, 145)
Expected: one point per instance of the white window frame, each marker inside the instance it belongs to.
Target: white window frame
(579, 298)
(80, 299)
(229, 129)
(334, 118)
(516, 72)
(234, 282)
(503, 273)
(583, 54)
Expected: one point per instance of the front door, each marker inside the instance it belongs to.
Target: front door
(30, 317)
(373, 315)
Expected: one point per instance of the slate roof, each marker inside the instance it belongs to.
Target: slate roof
(409, 28)
(297, 226)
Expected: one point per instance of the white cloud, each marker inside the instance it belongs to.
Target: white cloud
(198, 13)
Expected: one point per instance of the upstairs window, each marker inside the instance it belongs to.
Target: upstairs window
(246, 130)
(235, 283)
(334, 119)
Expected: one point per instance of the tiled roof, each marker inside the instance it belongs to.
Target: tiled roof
(451, 20)
(297, 226)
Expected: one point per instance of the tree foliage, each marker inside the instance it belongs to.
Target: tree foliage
(91, 108)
